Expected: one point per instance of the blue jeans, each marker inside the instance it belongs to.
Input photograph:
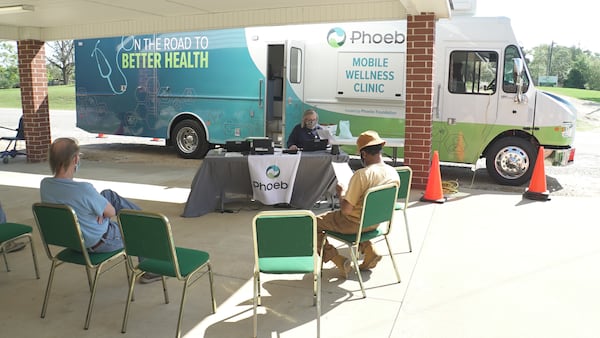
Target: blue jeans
(112, 239)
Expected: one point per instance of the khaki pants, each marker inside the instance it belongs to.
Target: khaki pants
(336, 221)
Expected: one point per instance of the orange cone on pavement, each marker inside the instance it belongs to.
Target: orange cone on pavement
(537, 186)
(433, 191)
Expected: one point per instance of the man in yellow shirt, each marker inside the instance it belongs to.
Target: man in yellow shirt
(375, 172)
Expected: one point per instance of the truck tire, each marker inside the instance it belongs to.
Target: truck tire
(510, 160)
(190, 139)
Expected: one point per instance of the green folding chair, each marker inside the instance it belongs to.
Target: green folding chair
(378, 208)
(285, 242)
(405, 174)
(149, 235)
(63, 242)
(14, 231)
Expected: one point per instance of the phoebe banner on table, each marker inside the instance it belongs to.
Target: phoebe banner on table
(273, 177)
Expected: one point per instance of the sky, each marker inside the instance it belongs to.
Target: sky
(535, 22)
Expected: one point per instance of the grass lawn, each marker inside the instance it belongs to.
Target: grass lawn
(63, 97)
(581, 94)
(60, 97)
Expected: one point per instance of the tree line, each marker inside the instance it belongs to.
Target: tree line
(60, 63)
(573, 67)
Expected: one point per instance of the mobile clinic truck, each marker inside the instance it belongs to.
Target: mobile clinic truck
(198, 89)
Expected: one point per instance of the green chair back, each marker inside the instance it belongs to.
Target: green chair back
(58, 225)
(146, 235)
(149, 235)
(284, 235)
(285, 241)
(379, 204)
(405, 175)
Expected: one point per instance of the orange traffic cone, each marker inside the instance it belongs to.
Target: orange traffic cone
(433, 191)
(537, 186)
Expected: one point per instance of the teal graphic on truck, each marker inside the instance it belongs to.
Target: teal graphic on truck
(201, 89)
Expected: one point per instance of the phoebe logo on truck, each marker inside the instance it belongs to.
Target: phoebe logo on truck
(337, 37)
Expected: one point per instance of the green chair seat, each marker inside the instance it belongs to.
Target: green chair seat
(9, 231)
(284, 265)
(76, 257)
(15, 231)
(189, 260)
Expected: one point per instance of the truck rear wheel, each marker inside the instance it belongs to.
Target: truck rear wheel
(510, 161)
(190, 139)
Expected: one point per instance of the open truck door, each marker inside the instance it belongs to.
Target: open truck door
(285, 88)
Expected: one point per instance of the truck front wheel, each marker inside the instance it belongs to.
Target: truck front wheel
(190, 139)
(510, 161)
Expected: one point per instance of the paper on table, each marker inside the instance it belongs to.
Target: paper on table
(343, 173)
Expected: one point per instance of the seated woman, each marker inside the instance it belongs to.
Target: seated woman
(305, 131)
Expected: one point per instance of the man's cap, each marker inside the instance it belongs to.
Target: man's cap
(368, 138)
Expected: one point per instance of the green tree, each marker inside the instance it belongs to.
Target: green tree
(9, 69)
(61, 58)
(577, 76)
(593, 79)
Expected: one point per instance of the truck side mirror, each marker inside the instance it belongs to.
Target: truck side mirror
(518, 78)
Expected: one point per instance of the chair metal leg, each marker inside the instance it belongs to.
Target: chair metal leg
(407, 231)
(255, 303)
(89, 277)
(354, 255)
(48, 287)
(318, 297)
(183, 294)
(88, 317)
(212, 291)
(34, 257)
(392, 257)
(165, 291)
(33, 254)
(4, 256)
(132, 279)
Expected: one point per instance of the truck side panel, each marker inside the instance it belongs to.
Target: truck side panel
(136, 85)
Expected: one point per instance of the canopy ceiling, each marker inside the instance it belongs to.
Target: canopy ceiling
(73, 19)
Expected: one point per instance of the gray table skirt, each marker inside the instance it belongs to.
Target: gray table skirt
(219, 175)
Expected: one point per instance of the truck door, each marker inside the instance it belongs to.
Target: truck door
(468, 104)
(294, 89)
(510, 110)
(285, 88)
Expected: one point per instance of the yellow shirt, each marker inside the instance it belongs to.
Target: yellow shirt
(365, 178)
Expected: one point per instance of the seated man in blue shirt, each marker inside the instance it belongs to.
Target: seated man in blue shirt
(305, 131)
(93, 209)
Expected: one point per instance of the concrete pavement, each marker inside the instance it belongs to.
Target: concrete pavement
(484, 264)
